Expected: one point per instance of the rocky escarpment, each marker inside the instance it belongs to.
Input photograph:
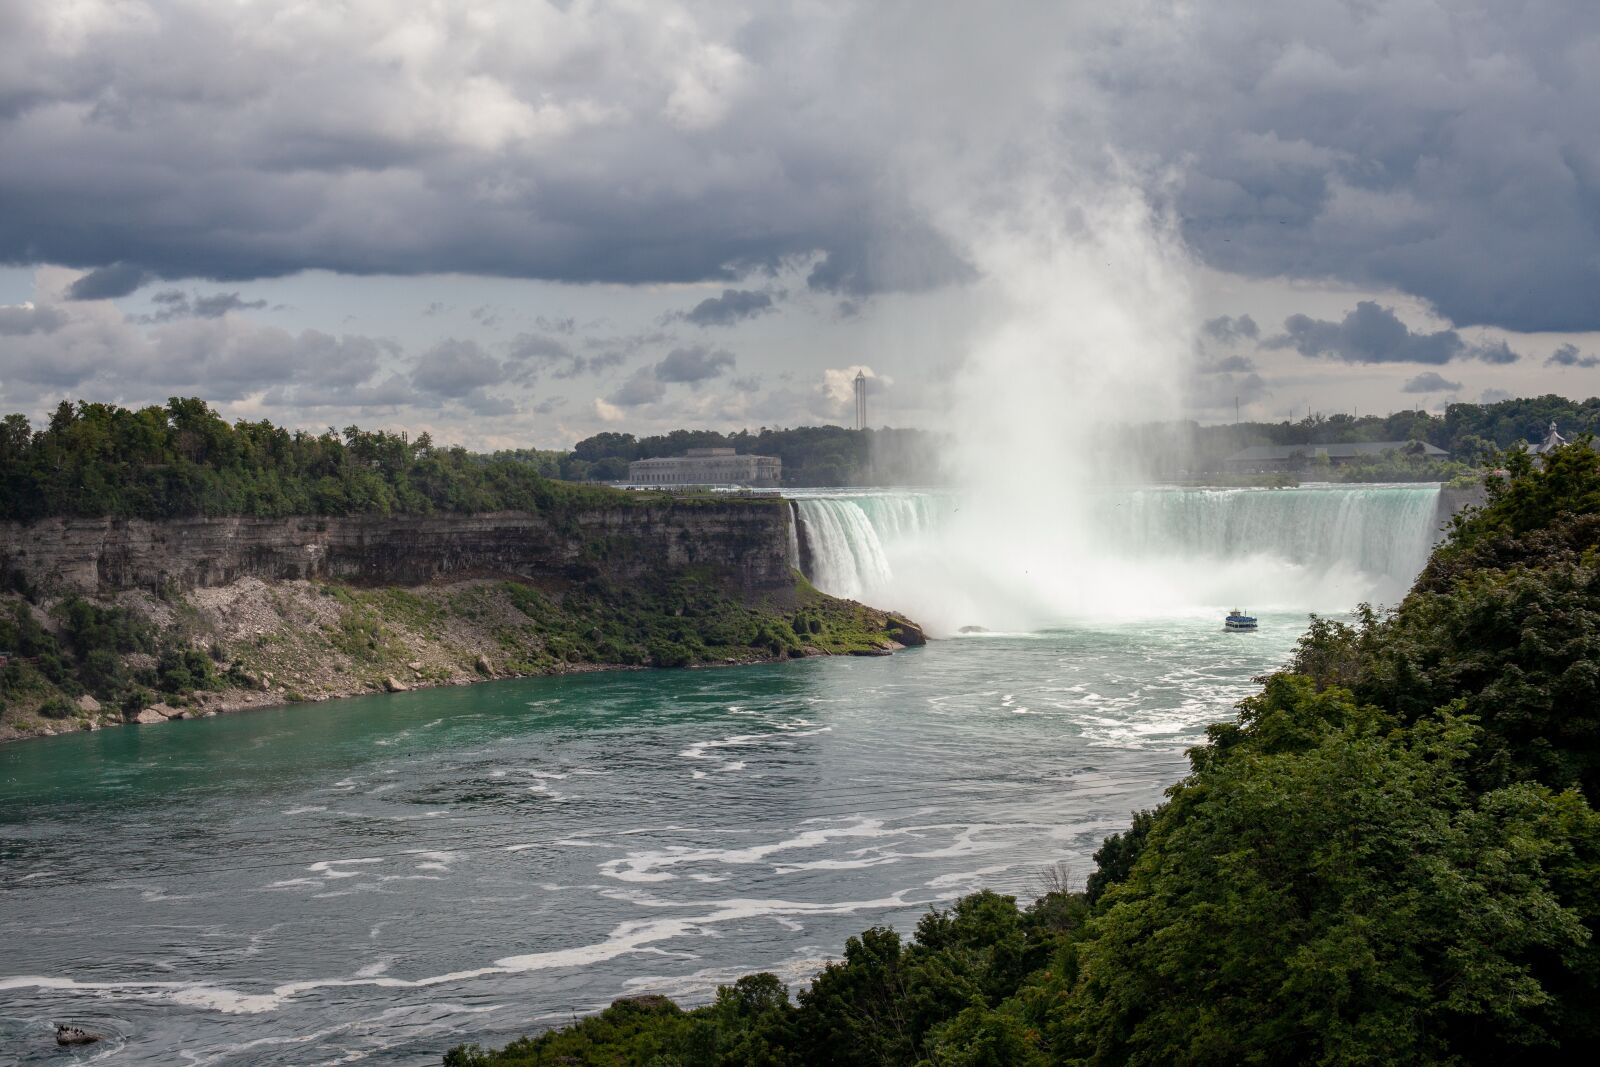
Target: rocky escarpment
(1453, 500)
(746, 540)
(116, 621)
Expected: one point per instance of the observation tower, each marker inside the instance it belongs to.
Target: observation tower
(861, 400)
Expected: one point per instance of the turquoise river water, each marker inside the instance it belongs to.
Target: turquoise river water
(377, 879)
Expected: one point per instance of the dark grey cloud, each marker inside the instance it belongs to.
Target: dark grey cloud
(733, 306)
(549, 355)
(1446, 151)
(1430, 381)
(642, 387)
(1569, 356)
(1493, 352)
(454, 369)
(1229, 329)
(694, 365)
(576, 143)
(177, 304)
(906, 256)
(102, 283)
(1374, 334)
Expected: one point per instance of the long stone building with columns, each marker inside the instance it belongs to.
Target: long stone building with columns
(708, 466)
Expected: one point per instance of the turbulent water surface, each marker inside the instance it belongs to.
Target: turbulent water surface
(381, 878)
(378, 876)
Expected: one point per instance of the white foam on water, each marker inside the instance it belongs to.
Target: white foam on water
(959, 879)
(625, 938)
(650, 865)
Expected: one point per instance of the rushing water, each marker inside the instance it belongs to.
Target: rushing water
(383, 877)
(1124, 553)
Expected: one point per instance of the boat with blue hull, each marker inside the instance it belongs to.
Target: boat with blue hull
(1238, 621)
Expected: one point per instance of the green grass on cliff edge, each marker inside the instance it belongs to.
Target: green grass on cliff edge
(1388, 856)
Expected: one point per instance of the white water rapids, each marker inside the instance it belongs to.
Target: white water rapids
(1129, 553)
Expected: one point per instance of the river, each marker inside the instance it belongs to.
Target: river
(377, 879)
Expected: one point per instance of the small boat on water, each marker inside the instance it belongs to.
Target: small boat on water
(1238, 620)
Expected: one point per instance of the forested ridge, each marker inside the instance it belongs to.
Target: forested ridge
(1389, 855)
(183, 459)
(831, 455)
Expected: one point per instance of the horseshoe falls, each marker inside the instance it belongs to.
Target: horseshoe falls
(1126, 553)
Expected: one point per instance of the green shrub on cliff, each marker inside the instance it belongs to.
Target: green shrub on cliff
(88, 653)
(1389, 856)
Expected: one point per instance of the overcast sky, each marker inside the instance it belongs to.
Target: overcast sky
(518, 223)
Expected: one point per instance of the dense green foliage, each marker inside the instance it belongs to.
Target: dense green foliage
(1471, 433)
(86, 650)
(832, 455)
(680, 620)
(183, 459)
(1389, 856)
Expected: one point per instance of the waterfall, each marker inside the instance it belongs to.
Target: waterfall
(1132, 551)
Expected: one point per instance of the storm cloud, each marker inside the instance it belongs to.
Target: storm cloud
(1229, 329)
(1430, 381)
(177, 304)
(1374, 334)
(694, 365)
(1569, 356)
(1443, 151)
(733, 306)
(557, 358)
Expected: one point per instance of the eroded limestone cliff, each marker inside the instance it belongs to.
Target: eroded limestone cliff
(746, 540)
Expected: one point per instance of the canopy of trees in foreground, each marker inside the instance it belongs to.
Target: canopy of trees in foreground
(1389, 856)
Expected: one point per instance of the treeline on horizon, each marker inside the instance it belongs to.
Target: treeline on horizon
(833, 455)
(183, 459)
(1389, 856)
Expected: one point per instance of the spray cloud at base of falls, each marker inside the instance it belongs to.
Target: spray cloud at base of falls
(1152, 552)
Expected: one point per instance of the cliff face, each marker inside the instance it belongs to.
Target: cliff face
(1452, 501)
(746, 540)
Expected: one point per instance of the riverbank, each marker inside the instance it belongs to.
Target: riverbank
(84, 663)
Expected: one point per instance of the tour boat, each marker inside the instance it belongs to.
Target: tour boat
(1239, 621)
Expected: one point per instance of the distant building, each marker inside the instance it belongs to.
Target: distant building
(708, 466)
(1552, 441)
(1262, 458)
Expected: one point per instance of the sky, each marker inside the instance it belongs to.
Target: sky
(516, 223)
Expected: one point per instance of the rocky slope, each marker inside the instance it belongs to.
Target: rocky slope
(199, 616)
